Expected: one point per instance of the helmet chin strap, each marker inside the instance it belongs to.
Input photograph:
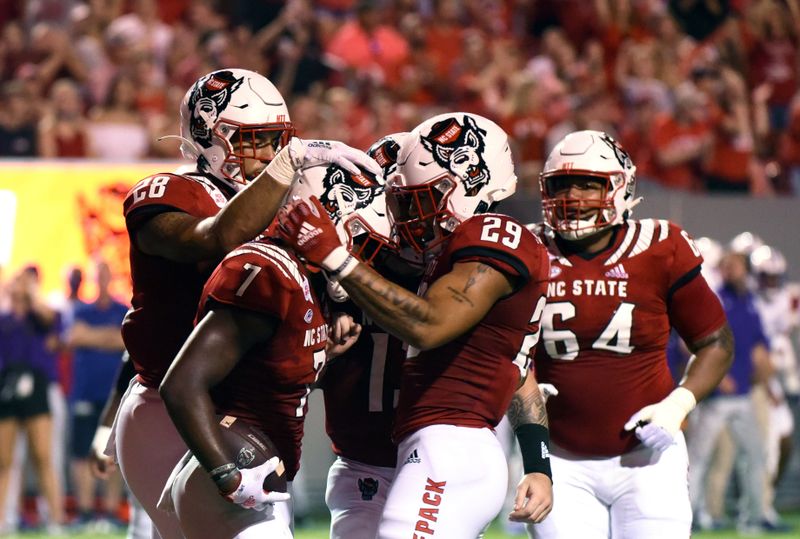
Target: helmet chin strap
(633, 204)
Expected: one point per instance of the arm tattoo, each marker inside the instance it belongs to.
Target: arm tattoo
(476, 273)
(394, 294)
(527, 409)
(460, 296)
(722, 338)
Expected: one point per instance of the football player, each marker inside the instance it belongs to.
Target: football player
(255, 354)
(236, 129)
(616, 287)
(361, 387)
(777, 304)
(470, 329)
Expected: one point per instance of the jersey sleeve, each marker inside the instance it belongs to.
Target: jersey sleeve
(166, 192)
(685, 258)
(249, 280)
(695, 311)
(501, 242)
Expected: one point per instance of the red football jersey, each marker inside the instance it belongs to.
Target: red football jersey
(269, 386)
(361, 388)
(605, 330)
(470, 380)
(165, 293)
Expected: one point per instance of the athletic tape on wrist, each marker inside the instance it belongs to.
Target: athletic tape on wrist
(534, 444)
(281, 167)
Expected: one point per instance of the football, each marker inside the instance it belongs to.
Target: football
(250, 448)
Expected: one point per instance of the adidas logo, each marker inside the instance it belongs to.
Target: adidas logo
(617, 272)
(545, 451)
(413, 458)
(307, 233)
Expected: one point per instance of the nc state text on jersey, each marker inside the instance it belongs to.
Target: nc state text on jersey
(315, 336)
(588, 287)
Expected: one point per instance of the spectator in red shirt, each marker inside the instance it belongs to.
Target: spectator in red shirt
(368, 48)
(62, 130)
(681, 140)
(789, 147)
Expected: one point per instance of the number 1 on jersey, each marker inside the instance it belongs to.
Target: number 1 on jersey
(380, 350)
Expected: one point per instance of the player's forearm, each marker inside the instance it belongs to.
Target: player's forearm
(392, 307)
(249, 213)
(192, 412)
(527, 406)
(713, 358)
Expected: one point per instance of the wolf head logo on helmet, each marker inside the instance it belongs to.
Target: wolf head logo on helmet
(207, 98)
(344, 193)
(459, 148)
(356, 203)
(450, 167)
(228, 116)
(386, 150)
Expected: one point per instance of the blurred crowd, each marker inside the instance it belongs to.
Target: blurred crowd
(702, 93)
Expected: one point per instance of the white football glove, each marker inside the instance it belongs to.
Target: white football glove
(300, 154)
(657, 424)
(250, 493)
(547, 391)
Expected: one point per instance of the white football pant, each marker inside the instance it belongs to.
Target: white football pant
(355, 495)
(641, 494)
(450, 484)
(204, 514)
(147, 448)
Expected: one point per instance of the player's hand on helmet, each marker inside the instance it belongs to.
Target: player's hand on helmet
(533, 500)
(309, 153)
(657, 424)
(250, 493)
(306, 227)
(300, 154)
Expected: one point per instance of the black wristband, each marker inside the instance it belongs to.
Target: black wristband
(534, 444)
(221, 473)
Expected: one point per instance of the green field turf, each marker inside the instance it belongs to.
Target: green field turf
(319, 530)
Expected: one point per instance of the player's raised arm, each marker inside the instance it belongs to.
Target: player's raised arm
(179, 236)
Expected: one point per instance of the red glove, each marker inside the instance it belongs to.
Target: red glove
(307, 228)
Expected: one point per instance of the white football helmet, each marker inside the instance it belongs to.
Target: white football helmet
(593, 155)
(386, 150)
(449, 168)
(355, 203)
(711, 250)
(768, 260)
(745, 243)
(225, 109)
